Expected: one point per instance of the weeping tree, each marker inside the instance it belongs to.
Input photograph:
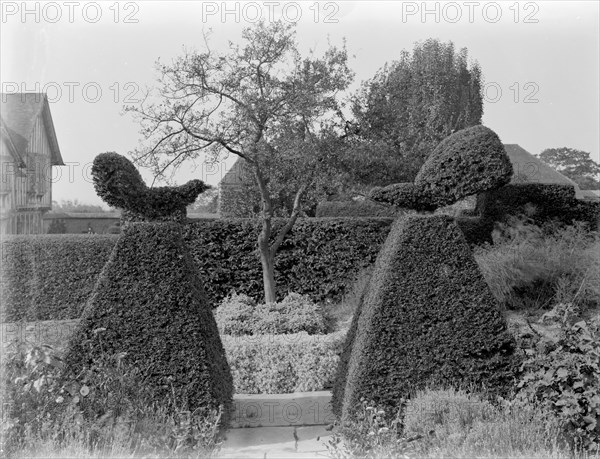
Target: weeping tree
(278, 111)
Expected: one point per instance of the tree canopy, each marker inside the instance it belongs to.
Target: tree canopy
(261, 101)
(575, 164)
(409, 106)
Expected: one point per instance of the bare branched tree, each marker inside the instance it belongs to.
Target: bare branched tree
(262, 102)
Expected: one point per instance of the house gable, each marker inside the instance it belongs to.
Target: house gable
(20, 113)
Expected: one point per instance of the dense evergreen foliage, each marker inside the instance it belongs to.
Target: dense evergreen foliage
(428, 317)
(149, 304)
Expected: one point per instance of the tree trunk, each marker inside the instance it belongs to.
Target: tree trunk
(267, 262)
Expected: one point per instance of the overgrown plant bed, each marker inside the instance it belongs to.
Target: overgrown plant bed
(260, 364)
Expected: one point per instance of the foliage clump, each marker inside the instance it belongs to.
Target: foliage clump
(428, 317)
(106, 410)
(240, 315)
(562, 375)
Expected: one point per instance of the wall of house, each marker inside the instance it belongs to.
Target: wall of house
(39, 169)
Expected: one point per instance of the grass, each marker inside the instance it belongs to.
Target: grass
(450, 423)
(527, 268)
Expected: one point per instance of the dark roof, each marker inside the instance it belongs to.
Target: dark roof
(19, 113)
(12, 148)
(529, 168)
(235, 174)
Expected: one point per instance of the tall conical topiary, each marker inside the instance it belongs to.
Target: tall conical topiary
(428, 318)
(149, 306)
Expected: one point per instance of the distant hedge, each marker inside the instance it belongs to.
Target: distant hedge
(540, 202)
(50, 277)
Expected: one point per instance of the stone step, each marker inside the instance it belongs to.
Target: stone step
(298, 442)
(281, 410)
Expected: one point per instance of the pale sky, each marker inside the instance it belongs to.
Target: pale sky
(539, 60)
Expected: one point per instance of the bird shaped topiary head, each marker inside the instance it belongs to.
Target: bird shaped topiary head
(120, 185)
(470, 161)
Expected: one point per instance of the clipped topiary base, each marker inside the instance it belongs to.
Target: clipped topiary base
(428, 318)
(149, 303)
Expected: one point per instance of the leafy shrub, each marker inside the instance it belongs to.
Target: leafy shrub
(235, 315)
(148, 303)
(428, 318)
(105, 410)
(526, 266)
(354, 209)
(319, 258)
(240, 315)
(564, 376)
(275, 364)
(295, 313)
(467, 162)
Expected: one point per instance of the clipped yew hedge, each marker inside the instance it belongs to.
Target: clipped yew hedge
(540, 202)
(50, 277)
(149, 303)
(427, 318)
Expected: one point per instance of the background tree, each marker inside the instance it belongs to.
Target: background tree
(575, 164)
(408, 107)
(262, 102)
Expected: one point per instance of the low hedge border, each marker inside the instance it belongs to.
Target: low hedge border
(270, 364)
(281, 364)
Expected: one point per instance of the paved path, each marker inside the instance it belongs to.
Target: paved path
(279, 426)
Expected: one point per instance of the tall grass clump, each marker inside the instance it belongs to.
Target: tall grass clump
(104, 412)
(534, 268)
(441, 423)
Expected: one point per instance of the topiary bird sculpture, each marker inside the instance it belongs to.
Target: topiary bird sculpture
(120, 185)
